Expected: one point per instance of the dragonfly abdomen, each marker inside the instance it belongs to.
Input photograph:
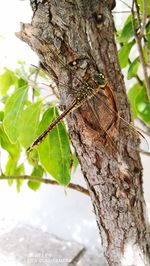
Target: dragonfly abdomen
(52, 125)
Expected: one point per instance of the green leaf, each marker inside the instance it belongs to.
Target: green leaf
(1, 115)
(132, 94)
(7, 79)
(133, 68)
(13, 110)
(10, 169)
(33, 157)
(13, 170)
(19, 183)
(19, 171)
(20, 62)
(143, 105)
(75, 161)
(123, 54)
(37, 171)
(54, 151)
(126, 33)
(29, 123)
(12, 149)
(34, 185)
(20, 83)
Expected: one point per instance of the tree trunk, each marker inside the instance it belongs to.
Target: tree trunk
(82, 33)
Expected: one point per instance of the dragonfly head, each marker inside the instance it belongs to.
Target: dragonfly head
(100, 79)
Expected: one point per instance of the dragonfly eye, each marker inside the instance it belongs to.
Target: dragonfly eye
(100, 79)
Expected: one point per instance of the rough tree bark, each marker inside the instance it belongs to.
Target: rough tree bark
(82, 32)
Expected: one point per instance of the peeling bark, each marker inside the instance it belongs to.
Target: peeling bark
(82, 32)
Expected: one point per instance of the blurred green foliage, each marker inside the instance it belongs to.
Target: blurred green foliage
(130, 60)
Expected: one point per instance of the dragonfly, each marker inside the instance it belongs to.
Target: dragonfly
(84, 95)
(99, 83)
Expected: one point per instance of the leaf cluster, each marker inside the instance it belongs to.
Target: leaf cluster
(22, 118)
(129, 59)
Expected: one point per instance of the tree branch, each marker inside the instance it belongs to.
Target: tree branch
(46, 181)
(114, 179)
(139, 46)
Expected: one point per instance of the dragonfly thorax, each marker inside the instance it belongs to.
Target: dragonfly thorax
(85, 94)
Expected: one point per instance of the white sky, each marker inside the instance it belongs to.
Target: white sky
(12, 12)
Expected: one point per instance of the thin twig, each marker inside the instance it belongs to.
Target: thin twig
(46, 181)
(139, 46)
(146, 128)
(34, 81)
(147, 153)
(142, 32)
(146, 132)
(137, 13)
(125, 4)
(121, 12)
(144, 18)
(143, 131)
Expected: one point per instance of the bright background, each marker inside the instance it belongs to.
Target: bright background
(66, 216)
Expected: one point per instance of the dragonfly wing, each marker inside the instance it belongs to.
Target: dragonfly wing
(123, 126)
(104, 132)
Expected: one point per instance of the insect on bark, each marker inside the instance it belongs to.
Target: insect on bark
(86, 93)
